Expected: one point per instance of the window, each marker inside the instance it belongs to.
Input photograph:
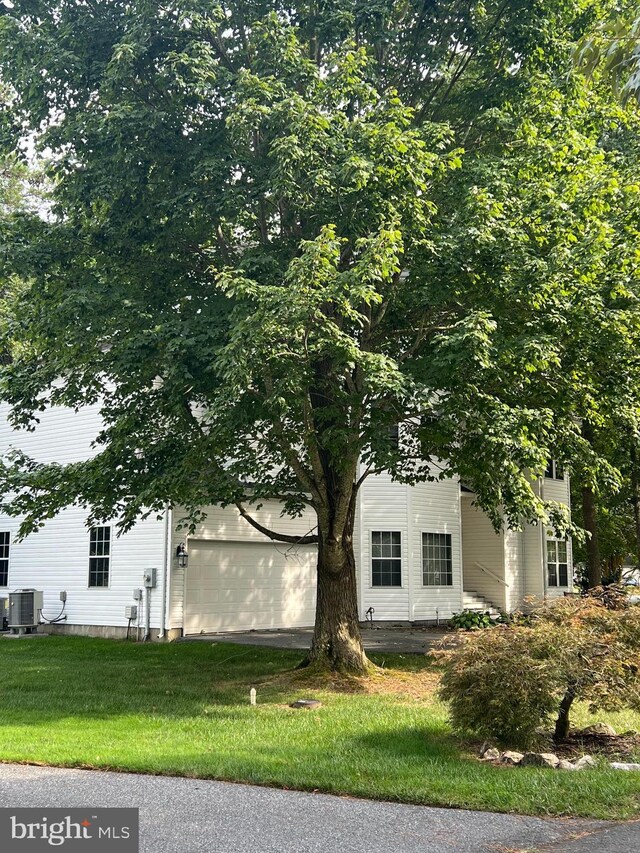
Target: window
(554, 471)
(5, 539)
(99, 556)
(437, 565)
(557, 563)
(386, 558)
(394, 434)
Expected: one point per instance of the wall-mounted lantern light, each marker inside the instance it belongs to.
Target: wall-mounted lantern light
(183, 557)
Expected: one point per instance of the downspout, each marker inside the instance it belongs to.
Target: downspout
(165, 573)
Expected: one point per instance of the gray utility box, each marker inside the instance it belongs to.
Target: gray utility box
(24, 610)
(150, 578)
(4, 614)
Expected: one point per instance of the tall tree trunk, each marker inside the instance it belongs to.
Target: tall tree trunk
(337, 642)
(635, 495)
(589, 519)
(562, 723)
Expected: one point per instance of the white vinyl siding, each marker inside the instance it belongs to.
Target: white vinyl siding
(56, 557)
(382, 506)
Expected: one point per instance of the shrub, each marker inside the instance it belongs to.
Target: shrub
(507, 682)
(470, 619)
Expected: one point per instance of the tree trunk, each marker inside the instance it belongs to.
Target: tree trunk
(562, 723)
(635, 496)
(337, 642)
(589, 519)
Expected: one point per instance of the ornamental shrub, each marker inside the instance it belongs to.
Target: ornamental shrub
(507, 682)
(470, 619)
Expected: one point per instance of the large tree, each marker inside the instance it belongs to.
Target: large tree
(280, 229)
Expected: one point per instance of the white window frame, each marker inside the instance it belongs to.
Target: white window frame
(107, 556)
(6, 558)
(395, 559)
(449, 536)
(557, 563)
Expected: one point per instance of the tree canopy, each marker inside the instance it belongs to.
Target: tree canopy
(280, 229)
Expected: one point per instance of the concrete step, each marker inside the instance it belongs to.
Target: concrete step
(472, 600)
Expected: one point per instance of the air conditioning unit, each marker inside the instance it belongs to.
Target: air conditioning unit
(24, 610)
(4, 614)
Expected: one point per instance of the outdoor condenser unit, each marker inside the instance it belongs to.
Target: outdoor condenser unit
(4, 614)
(24, 610)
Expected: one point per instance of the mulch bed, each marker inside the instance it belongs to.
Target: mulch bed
(623, 746)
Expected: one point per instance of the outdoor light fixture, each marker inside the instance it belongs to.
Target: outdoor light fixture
(183, 557)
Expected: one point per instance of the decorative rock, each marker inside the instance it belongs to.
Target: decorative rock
(599, 729)
(585, 761)
(309, 704)
(622, 765)
(491, 754)
(566, 765)
(539, 759)
(511, 757)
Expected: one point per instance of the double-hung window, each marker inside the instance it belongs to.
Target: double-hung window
(5, 540)
(386, 558)
(437, 563)
(557, 563)
(99, 556)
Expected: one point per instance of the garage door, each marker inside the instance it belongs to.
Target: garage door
(233, 586)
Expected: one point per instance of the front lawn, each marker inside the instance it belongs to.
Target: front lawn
(184, 709)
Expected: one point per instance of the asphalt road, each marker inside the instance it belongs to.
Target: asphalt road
(190, 816)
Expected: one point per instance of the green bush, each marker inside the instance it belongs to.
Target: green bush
(470, 619)
(507, 682)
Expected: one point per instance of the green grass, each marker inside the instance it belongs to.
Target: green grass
(184, 709)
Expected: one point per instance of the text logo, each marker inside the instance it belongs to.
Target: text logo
(37, 830)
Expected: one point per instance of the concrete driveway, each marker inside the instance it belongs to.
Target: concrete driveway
(196, 816)
(397, 640)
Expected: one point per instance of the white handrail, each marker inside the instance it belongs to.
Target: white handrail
(489, 572)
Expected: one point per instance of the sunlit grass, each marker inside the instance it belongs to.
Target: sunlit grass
(184, 709)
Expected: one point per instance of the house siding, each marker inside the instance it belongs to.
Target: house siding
(412, 510)
(481, 544)
(56, 557)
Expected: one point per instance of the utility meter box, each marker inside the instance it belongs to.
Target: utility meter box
(149, 578)
(131, 612)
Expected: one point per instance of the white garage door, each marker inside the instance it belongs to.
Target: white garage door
(233, 586)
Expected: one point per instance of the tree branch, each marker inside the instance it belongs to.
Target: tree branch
(271, 534)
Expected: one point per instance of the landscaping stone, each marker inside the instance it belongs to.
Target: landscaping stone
(599, 729)
(585, 761)
(625, 765)
(511, 757)
(539, 759)
(309, 704)
(566, 765)
(491, 754)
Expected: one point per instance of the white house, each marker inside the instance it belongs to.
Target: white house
(423, 553)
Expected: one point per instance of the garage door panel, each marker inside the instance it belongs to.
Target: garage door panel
(242, 586)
